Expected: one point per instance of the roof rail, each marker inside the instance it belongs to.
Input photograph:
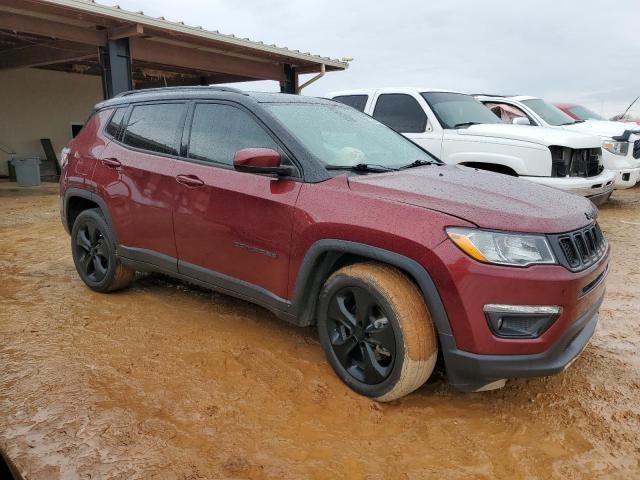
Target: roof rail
(178, 89)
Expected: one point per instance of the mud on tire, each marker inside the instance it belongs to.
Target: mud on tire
(376, 330)
(94, 254)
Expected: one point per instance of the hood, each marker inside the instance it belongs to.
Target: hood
(489, 200)
(539, 135)
(602, 128)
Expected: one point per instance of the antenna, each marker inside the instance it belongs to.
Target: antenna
(629, 107)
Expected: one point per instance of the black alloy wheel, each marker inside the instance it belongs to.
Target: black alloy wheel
(361, 335)
(92, 252)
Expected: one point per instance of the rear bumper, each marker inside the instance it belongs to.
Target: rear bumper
(597, 188)
(471, 372)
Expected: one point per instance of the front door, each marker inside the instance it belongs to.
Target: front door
(231, 225)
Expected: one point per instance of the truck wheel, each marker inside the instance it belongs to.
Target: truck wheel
(376, 330)
(94, 254)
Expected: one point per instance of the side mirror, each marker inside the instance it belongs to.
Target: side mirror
(521, 121)
(263, 161)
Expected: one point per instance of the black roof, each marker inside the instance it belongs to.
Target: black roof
(204, 92)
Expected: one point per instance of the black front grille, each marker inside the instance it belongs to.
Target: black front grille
(636, 149)
(570, 252)
(585, 162)
(579, 249)
(581, 162)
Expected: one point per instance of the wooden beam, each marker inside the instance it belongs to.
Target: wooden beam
(47, 10)
(162, 53)
(135, 30)
(189, 81)
(315, 68)
(40, 55)
(47, 28)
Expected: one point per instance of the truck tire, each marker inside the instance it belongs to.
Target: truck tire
(94, 254)
(376, 330)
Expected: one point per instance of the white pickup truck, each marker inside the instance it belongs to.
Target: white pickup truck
(620, 141)
(459, 130)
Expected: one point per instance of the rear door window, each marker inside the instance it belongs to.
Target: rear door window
(218, 131)
(356, 101)
(401, 112)
(156, 127)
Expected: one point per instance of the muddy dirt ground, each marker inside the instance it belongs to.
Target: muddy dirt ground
(167, 381)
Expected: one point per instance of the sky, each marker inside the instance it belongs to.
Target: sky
(586, 52)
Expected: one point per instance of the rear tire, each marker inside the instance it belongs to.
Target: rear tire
(376, 331)
(94, 254)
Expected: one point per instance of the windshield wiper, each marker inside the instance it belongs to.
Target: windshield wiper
(419, 163)
(572, 123)
(362, 167)
(466, 124)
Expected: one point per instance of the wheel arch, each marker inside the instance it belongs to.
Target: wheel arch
(326, 256)
(76, 200)
(492, 167)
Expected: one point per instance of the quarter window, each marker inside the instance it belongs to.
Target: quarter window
(356, 101)
(219, 131)
(401, 112)
(155, 127)
(113, 127)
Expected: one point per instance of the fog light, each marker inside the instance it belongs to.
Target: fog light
(520, 321)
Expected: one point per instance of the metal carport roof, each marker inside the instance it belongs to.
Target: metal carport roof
(81, 36)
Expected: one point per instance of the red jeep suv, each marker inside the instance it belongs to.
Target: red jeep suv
(325, 216)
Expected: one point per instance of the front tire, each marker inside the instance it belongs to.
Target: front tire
(376, 331)
(94, 254)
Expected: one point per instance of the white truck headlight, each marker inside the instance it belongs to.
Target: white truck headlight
(615, 147)
(515, 249)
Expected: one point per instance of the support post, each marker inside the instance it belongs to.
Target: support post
(289, 80)
(115, 63)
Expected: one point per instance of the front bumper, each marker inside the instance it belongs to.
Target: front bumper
(598, 188)
(627, 178)
(472, 372)
(625, 168)
(474, 356)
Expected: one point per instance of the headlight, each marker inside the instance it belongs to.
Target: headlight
(502, 248)
(617, 148)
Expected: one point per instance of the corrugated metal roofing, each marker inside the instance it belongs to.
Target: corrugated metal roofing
(117, 13)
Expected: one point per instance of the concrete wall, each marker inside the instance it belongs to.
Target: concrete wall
(37, 104)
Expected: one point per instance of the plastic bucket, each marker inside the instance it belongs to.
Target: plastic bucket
(27, 172)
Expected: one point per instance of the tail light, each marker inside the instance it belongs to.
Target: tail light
(64, 156)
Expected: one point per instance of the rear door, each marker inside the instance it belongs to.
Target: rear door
(231, 225)
(406, 114)
(136, 177)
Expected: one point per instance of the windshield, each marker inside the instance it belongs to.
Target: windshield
(342, 136)
(550, 114)
(456, 110)
(584, 113)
